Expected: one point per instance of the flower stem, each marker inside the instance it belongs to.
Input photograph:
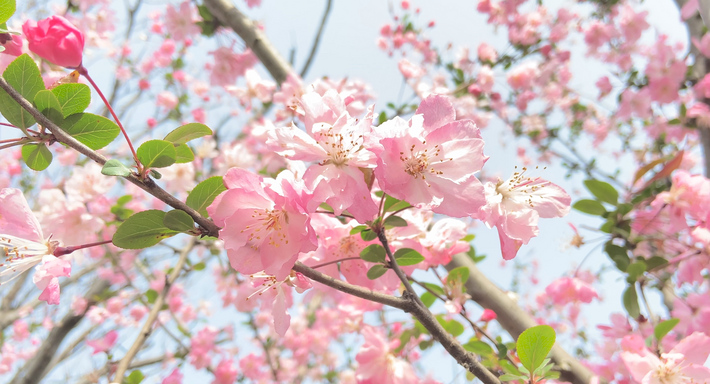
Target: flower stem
(60, 251)
(82, 70)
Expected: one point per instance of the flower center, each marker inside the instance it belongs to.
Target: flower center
(340, 146)
(269, 226)
(669, 374)
(519, 185)
(19, 255)
(421, 162)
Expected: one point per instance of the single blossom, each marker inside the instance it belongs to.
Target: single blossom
(378, 363)
(431, 159)
(682, 365)
(23, 246)
(103, 344)
(514, 207)
(264, 223)
(56, 40)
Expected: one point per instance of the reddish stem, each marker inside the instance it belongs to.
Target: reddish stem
(60, 251)
(82, 71)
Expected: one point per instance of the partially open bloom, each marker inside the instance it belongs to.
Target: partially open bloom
(56, 40)
(22, 246)
(514, 207)
(264, 223)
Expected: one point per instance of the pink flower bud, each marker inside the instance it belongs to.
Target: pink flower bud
(56, 40)
(488, 315)
(12, 44)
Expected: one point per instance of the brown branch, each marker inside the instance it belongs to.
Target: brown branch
(153, 315)
(514, 319)
(38, 366)
(253, 37)
(147, 185)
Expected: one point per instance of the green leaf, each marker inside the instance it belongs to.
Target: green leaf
(187, 132)
(478, 347)
(142, 230)
(36, 156)
(376, 271)
(156, 154)
(134, 378)
(47, 103)
(199, 266)
(428, 299)
(408, 256)
(602, 191)
(94, 131)
(358, 229)
(7, 9)
(534, 344)
(435, 288)
(73, 97)
(664, 327)
(114, 167)
(591, 207)
(391, 204)
(511, 377)
(373, 253)
(635, 270)
(368, 235)
(178, 220)
(183, 154)
(395, 221)
(452, 326)
(618, 255)
(204, 194)
(151, 295)
(23, 75)
(631, 302)
(459, 274)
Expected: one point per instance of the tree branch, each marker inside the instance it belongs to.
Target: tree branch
(253, 37)
(38, 366)
(153, 315)
(147, 185)
(514, 319)
(316, 41)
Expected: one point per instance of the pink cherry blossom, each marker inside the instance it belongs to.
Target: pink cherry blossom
(431, 159)
(181, 23)
(683, 364)
(265, 224)
(514, 207)
(56, 40)
(103, 344)
(12, 44)
(569, 290)
(202, 344)
(378, 364)
(335, 141)
(225, 373)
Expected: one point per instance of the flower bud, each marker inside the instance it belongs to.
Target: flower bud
(56, 40)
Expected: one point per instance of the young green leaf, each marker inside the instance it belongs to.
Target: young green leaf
(376, 271)
(47, 103)
(395, 221)
(136, 377)
(142, 230)
(534, 344)
(204, 194)
(591, 207)
(114, 167)
(368, 235)
(7, 9)
(23, 75)
(178, 220)
(428, 299)
(156, 154)
(458, 274)
(664, 327)
(602, 191)
(183, 154)
(478, 347)
(73, 97)
(631, 302)
(373, 253)
(94, 131)
(408, 256)
(36, 156)
(187, 132)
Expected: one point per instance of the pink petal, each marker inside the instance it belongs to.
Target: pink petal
(16, 217)
(437, 111)
(695, 348)
(282, 320)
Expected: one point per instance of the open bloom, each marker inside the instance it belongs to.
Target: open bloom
(23, 246)
(682, 365)
(514, 207)
(264, 223)
(430, 160)
(378, 363)
(56, 40)
(334, 140)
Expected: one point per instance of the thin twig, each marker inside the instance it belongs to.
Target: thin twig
(316, 41)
